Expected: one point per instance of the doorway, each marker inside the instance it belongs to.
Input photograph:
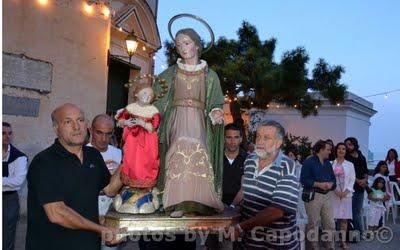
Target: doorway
(117, 94)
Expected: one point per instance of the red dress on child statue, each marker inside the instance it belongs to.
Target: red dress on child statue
(140, 161)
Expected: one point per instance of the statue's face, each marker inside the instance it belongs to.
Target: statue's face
(145, 96)
(186, 47)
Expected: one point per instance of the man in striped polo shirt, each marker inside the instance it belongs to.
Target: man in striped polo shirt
(270, 194)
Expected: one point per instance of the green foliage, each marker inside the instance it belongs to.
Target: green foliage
(247, 66)
(299, 145)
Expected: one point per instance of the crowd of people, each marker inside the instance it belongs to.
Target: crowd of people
(343, 193)
(70, 184)
(267, 186)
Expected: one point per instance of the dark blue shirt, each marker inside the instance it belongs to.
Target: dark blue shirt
(313, 171)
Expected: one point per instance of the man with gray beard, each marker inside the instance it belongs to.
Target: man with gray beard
(270, 194)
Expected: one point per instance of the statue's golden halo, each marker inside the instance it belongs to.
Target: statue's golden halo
(174, 18)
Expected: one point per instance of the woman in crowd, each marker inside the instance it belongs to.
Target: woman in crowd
(332, 154)
(342, 199)
(392, 160)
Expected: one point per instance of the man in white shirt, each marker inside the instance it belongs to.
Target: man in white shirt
(14, 175)
(101, 132)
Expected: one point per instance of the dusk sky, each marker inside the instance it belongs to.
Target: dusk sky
(363, 36)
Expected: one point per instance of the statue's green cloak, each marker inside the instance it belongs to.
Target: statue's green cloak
(215, 133)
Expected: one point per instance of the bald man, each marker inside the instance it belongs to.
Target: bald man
(102, 130)
(64, 181)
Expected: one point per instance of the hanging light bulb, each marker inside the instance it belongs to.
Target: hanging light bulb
(131, 44)
(43, 2)
(105, 11)
(386, 96)
(88, 8)
(338, 104)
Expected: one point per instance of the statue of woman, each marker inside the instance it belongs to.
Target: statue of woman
(191, 132)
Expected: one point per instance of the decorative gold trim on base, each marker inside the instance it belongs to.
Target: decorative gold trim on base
(162, 223)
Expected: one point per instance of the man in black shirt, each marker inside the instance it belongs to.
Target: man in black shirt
(64, 181)
(232, 179)
(355, 156)
(233, 164)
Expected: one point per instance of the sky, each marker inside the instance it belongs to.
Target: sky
(361, 35)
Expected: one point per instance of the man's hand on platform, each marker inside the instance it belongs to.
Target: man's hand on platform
(234, 232)
(102, 220)
(109, 235)
(237, 232)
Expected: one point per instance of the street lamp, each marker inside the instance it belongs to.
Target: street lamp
(131, 47)
(131, 44)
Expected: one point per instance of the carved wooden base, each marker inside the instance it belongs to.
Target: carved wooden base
(162, 223)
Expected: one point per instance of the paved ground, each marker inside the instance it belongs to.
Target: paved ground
(375, 244)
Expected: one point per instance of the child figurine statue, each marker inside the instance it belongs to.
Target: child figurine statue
(140, 120)
(140, 162)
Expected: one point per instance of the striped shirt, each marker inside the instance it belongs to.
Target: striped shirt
(277, 186)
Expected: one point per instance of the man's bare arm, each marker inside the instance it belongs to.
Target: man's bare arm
(61, 214)
(264, 217)
(115, 184)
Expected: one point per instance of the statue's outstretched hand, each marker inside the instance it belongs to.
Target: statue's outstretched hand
(217, 116)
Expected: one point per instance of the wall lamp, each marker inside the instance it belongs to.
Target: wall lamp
(131, 43)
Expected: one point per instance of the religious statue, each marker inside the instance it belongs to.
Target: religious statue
(191, 132)
(141, 161)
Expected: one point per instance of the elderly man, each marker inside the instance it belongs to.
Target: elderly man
(270, 193)
(64, 181)
(15, 167)
(102, 130)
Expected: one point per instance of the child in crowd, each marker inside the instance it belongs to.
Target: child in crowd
(376, 208)
(382, 170)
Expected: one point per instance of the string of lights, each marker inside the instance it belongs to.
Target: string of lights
(89, 7)
(386, 93)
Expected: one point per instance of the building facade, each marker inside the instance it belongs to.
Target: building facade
(59, 51)
(336, 122)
